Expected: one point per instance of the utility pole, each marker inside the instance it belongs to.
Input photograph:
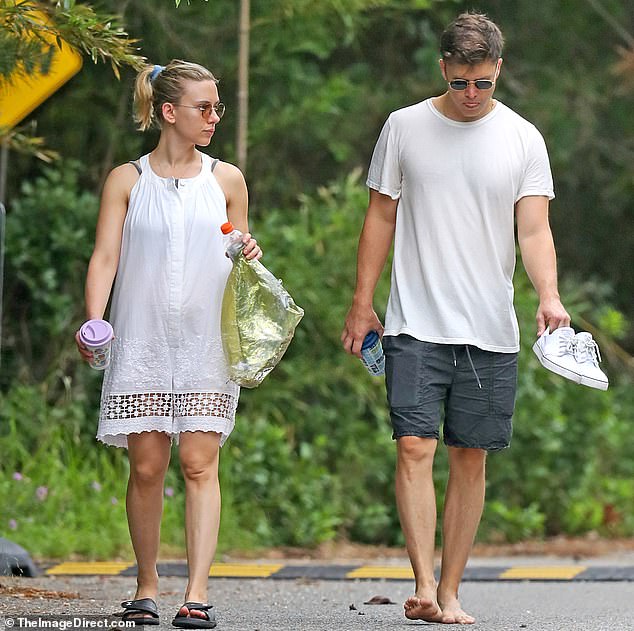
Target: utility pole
(242, 132)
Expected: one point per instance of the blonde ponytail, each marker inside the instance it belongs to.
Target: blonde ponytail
(143, 99)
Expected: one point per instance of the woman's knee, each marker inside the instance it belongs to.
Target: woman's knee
(198, 455)
(199, 469)
(149, 457)
(148, 471)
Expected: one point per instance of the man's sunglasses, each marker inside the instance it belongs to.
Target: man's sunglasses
(480, 84)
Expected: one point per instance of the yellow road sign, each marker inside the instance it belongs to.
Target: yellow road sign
(21, 93)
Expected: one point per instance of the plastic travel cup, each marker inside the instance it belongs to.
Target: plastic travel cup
(96, 336)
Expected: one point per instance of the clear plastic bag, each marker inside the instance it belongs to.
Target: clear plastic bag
(258, 321)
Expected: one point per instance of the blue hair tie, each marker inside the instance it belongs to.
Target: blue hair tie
(156, 71)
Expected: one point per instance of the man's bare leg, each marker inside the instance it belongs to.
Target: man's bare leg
(464, 502)
(416, 501)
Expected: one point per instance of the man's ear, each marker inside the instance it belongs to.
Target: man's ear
(443, 68)
(168, 111)
(499, 67)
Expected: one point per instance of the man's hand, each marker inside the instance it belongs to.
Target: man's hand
(359, 322)
(551, 314)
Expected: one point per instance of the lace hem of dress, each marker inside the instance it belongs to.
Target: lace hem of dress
(115, 437)
(116, 407)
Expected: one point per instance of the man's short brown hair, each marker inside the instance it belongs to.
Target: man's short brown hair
(471, 39)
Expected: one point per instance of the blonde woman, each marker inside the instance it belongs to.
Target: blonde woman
(159, 240)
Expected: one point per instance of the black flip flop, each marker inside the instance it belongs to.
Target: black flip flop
(189, 622)
(136, 610)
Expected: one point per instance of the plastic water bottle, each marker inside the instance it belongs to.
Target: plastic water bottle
(372, 354)
(232, 239)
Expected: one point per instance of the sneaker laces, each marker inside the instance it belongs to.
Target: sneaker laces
(567, 345)
(586, 348)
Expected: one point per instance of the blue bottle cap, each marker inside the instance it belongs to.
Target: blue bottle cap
(370, 340)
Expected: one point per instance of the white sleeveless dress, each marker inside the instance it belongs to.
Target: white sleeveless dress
(168, 372)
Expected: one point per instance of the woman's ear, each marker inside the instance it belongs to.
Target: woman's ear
(169, 112)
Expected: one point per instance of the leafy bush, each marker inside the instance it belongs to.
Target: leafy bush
(570, 442)
(50, 234)
(54, 488)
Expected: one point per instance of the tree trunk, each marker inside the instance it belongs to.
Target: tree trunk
(243, 87)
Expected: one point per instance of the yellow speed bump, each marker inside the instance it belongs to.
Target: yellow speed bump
(239, 570)
(377, 571)
(546, 573)
(98, 567)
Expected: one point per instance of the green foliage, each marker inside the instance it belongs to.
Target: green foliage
(50, 232)
(283, 492)
(509, 522)
(23, 140)
(53, 488)
(570, 444)
(324, 76)
(31, 31)
(311, 458)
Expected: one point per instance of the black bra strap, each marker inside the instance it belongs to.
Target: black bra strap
(136, 164)
(214, 163)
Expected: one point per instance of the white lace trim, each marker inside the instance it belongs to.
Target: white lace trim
(117, 407)
(109, 434)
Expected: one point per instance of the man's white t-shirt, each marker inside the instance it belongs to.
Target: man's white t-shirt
(454, 249)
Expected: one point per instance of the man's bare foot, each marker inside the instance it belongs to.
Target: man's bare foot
(452, 613)
(421, 608)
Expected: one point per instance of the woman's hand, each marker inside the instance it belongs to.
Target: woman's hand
(86, 355)
(252, 251)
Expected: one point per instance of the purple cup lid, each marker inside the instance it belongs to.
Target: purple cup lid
(96, 332)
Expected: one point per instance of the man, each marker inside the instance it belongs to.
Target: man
(449, 177)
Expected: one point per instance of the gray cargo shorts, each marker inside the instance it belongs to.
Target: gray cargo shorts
(474, 388)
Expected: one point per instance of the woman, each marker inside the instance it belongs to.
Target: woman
(159, 233)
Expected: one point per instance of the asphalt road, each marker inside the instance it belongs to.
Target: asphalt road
(318, 605)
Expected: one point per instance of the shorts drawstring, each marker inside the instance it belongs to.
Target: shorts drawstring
(472, 366)
(455, 362)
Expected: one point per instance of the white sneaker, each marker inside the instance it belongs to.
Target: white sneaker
(571, 356)
(588, 356)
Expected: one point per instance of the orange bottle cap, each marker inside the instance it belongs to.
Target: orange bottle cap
(226, 227)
